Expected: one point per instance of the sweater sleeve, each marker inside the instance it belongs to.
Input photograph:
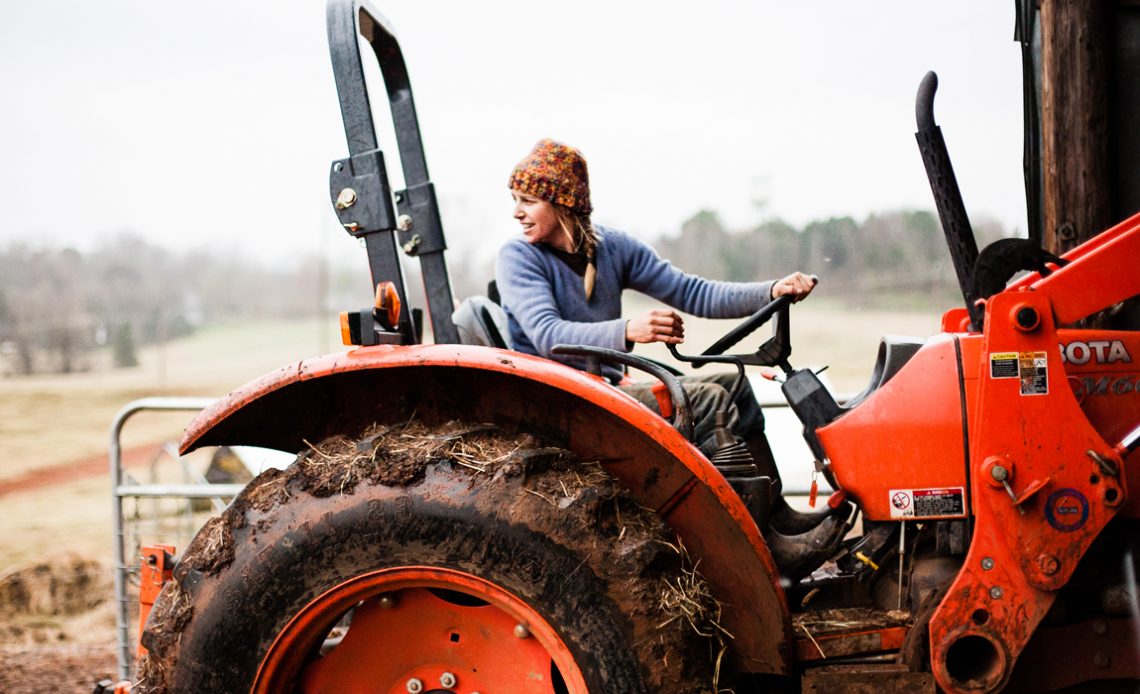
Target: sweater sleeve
(652, 275)
(527, 291)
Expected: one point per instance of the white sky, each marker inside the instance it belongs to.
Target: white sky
(213, 123)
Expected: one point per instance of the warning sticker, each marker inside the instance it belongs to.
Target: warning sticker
(1031, 367)
(1034, 373)
(1003, 365)
(928, 503)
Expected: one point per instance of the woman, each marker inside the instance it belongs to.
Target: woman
(561, 283)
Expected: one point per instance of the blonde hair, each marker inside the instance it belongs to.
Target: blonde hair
(583, 238)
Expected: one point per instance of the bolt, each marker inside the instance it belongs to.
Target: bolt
(1100, 627)
(403, 222)
(1027, 318)
(387, 602)
(412, 244)
(1102, 660)
(521, 631)
(987, 563)
(447, 680)
(1048, 564)
(414, 686)
(999, 473)
(346, 199)
(996, 592)
(399, 197)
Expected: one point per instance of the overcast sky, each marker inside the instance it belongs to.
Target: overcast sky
(213, 123)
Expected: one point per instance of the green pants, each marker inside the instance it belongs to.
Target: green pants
(707, 395)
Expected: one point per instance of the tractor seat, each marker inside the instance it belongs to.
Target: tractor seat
(481, 321)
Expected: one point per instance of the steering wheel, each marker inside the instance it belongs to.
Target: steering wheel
(774, 352)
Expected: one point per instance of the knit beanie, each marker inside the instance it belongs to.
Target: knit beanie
(556, 173)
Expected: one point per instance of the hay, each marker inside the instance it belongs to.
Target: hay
(687, 597)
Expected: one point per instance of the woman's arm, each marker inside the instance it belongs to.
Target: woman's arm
(652, 275)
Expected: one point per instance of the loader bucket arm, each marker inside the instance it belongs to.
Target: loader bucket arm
(1044, 482)
(345, 393)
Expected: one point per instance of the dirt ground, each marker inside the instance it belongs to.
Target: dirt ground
(57, 629)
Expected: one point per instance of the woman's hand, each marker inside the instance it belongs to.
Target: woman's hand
(659, 325)
(797, 285)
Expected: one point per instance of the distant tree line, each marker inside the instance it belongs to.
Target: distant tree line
(894, 259)
(62, 310)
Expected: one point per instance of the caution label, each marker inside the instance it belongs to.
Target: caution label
(1031, 367)
(1034, 368)
(1004, 365)
(944, 502)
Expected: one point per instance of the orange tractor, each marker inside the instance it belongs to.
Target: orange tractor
(468, 519)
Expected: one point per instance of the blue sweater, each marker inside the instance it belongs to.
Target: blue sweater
(546, 303)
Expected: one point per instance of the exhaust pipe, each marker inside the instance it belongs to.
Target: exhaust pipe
(947, 196)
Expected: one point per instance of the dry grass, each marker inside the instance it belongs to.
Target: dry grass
(686, 596)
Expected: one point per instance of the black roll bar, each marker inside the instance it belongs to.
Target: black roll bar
(359, 185)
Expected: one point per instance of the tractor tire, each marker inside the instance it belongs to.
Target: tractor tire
(453, 558)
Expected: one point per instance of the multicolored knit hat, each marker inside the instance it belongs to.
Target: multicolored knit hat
(556, 173)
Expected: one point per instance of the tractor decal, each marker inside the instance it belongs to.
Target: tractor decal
(1067, 510)
(1100, 351)
(945, 502)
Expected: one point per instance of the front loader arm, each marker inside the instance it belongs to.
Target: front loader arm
(1043, 482)
(1101, 272)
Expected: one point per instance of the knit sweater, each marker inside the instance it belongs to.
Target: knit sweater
(546, 305)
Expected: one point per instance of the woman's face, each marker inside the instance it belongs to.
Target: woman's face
(539, 221)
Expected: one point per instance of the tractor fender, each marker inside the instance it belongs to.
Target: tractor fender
(345, 393)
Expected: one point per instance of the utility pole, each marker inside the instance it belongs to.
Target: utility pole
(1085, 84)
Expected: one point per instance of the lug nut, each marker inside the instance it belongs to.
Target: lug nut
(386, 601)
(447, 680)
(996, 592)
(987, 563)
(1048, 564)
(521, 631)
(414, 686)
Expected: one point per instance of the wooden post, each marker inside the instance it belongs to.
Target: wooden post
(1074, 123)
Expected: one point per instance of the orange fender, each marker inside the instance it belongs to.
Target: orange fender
(345, 393)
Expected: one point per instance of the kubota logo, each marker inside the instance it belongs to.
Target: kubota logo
(1102, 351)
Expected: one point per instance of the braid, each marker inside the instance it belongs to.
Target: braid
(589, 242)
(583, 239)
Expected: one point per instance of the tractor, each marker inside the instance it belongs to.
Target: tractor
(463, 518)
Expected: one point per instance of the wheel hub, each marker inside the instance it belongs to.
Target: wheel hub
(421, 631)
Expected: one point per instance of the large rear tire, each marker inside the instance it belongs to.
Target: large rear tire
(448, 559)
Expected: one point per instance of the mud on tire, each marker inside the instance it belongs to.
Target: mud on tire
(534, 520)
